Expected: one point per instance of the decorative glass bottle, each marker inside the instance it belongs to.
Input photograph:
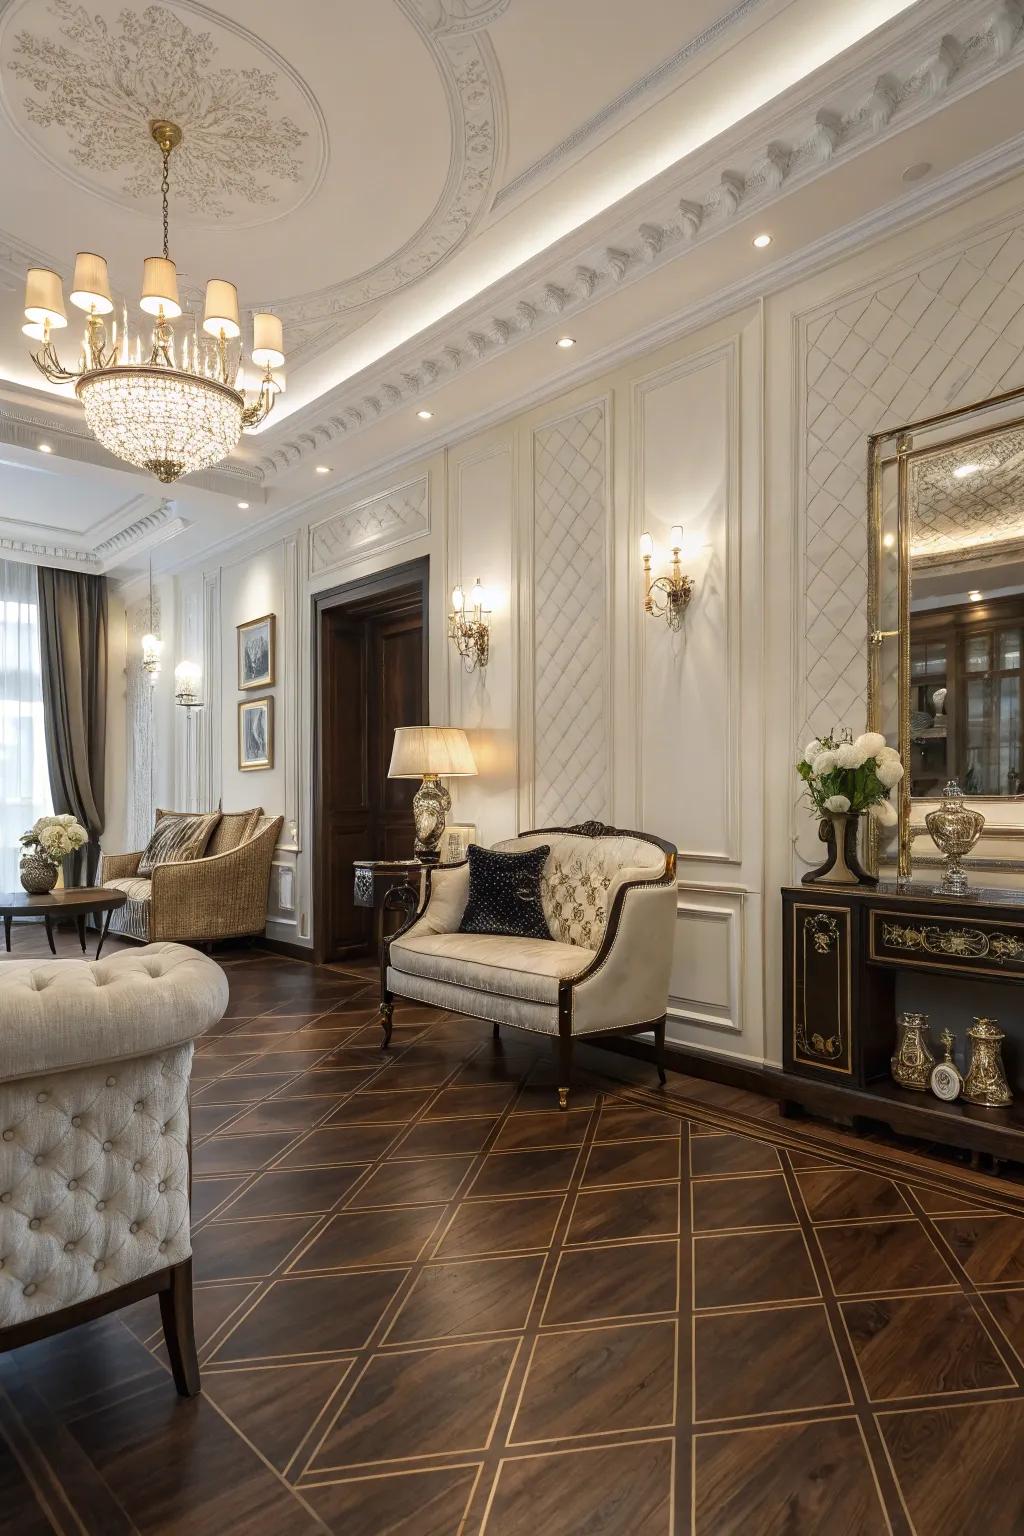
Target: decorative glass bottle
(954, 830)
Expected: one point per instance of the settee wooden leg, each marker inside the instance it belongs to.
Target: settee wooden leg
(564, 1070)
(386, 1015)
(179, 1330)
(496, 1032)
(659, 1050)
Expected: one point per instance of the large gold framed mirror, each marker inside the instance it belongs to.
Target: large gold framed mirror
(946, 614)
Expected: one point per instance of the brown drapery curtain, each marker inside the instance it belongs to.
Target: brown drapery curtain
(73, 643)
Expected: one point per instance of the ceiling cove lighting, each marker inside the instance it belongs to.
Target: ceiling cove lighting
(761, 242)
(171, 405)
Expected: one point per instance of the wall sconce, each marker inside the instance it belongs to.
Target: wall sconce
(187, 676)
(470, 629)
(666, 597)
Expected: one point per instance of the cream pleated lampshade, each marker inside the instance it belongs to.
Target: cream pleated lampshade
(423, 749)
(160, 287)
(90, 288)
(221, 313)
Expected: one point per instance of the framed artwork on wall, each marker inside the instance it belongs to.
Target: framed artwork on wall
(257, 660)
(256, 733)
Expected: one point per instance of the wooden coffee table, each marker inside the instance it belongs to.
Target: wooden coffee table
(76, 903)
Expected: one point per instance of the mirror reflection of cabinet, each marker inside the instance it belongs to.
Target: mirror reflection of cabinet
(946, 609)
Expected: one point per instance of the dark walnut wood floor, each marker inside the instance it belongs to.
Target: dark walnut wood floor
(431, 1305)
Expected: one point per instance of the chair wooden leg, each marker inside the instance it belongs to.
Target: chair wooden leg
(385, 1016)
(564, 1070)
(659, 1050)
(179, 1330)
(496, 1032)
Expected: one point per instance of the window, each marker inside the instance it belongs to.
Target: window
(24, 783)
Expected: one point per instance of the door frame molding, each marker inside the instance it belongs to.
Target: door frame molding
(413, 576)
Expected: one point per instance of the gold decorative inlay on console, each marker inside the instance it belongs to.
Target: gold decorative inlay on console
(960, 943)
(820, 1033)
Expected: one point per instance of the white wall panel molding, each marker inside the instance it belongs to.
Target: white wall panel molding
(685, 467)
(210, 734)
(569, 700)
(706, 990)
(380, 522)
(294, 677)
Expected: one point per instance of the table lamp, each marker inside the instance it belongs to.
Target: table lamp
(430, 753)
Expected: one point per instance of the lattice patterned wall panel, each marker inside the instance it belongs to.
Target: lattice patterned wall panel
(571, 745)
(947, 334)
(391, 518)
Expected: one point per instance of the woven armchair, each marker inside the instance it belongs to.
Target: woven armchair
(220, 896)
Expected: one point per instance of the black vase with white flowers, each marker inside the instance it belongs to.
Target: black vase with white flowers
(848, 777)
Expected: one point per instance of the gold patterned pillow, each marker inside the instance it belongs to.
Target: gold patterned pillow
(176, 838)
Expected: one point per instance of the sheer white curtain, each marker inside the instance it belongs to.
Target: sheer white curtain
(24, 785)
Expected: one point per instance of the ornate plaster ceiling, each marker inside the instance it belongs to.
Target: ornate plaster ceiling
(953, 516)
(419, 186)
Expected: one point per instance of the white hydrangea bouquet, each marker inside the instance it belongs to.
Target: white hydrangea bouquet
(847, 776)
(46, 843)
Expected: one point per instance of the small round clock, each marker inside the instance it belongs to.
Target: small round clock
(944, 1079)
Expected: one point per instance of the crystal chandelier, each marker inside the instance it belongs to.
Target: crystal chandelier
(172, 404)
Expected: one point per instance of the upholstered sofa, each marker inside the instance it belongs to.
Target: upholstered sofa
(609, 900)
(220, 896)
(95, 1060)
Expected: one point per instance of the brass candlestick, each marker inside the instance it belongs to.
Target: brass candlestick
(985, 1082)
(913, 1058)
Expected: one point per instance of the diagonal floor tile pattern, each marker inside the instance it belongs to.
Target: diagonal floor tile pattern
(429, 1304)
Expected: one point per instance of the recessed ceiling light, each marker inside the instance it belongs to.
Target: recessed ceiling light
(917, 171)
(45, 448)
(963, 470)
(243, 506)
(425, 415)
(975, 596)
(761, 241)
(566, 341)
(323, 469)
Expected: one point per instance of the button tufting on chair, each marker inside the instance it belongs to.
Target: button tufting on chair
(136, 1167)
(72, 1183)
(162, 1247)
(8, 1135)
(5, 1198)
(101, 1205)
(134, 1227)
(76, 1120)
(140, 1105)
(111, 1081)
(162, 1186)
(35, 1224)
(99, 1265)
(41, 1098)
(69, 1247)
(29, 1290)
(38, 1159)
(108, 1146)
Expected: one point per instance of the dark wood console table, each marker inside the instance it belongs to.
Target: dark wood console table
(843, 950)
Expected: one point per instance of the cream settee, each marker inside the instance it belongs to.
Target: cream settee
(609, 900)
(95, 1060)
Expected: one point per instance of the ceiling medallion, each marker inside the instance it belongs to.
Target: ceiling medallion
(175, 409)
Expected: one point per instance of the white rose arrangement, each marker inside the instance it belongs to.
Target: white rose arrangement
(844, 773)
(54, 837)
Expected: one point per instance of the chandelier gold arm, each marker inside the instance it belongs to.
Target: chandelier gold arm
(262, 405)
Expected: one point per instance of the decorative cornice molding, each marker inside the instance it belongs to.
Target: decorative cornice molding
(152, 528)
(688, 205)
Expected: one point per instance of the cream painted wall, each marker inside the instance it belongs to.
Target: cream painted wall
(587, 706)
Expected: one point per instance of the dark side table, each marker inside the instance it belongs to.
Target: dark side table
(75, 903)
(374, 878)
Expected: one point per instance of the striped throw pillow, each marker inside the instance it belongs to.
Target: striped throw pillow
(177, 838)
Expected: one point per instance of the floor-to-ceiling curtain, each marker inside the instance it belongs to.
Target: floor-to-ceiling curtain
(73, 646)
(24, 783)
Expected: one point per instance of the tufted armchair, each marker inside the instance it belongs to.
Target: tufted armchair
(609, 900)
(95, 1060)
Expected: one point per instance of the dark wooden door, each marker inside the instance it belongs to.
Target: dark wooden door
(370, 678)
(395, 698)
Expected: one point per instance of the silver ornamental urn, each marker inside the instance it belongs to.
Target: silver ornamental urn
(954, 830)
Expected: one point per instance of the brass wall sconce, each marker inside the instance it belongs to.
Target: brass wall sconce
(470, 629)
(666, 597)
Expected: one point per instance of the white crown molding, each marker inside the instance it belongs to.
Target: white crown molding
(142, 533)
(901, 75)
